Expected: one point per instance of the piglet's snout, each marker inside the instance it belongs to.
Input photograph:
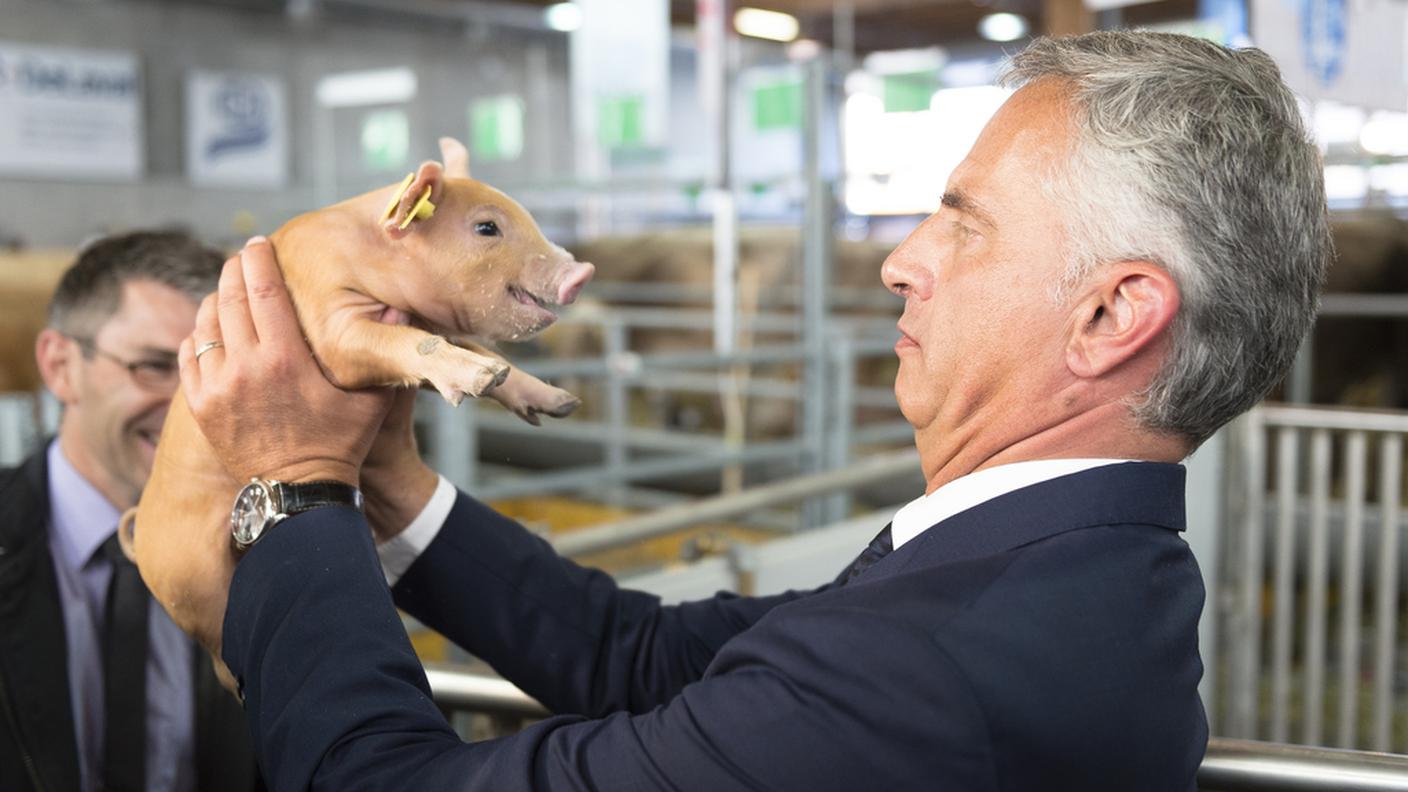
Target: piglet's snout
(576, 276)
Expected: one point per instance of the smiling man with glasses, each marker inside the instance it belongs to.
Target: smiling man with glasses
(98, 688)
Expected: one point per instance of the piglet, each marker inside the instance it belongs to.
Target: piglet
(476, 265)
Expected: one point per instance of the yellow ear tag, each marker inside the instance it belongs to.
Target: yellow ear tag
(396, 199)
(422, 210)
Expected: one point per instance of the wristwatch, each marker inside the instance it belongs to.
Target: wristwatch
(262, 504)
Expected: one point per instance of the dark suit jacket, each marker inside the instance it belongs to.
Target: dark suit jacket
(38, 750)
(1046, 639)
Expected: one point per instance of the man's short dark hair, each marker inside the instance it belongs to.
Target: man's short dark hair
(90, 292)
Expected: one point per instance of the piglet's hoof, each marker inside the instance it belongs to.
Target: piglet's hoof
(558, 404)
(562, 407)
(476, 382)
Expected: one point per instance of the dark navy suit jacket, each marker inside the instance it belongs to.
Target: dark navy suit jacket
(1044, 640)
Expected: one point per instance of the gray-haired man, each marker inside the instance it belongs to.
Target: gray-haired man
(1127, 258)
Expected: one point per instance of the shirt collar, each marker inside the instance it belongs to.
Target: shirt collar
(965, 492)
(82, 518)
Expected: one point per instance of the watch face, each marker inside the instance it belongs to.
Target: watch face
(249, 517)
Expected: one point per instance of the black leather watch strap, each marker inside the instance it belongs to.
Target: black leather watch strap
(296, 498)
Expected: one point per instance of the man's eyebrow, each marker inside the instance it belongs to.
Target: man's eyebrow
(965, 204)
(157, 352)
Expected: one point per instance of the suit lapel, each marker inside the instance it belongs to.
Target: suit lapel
(1135, 493)
(33, 649)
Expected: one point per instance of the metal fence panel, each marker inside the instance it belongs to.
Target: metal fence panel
(1341, 494)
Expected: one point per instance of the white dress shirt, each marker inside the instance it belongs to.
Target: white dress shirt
(979, 487)
(398, 553)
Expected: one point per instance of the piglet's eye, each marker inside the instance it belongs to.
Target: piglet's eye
(487, 228)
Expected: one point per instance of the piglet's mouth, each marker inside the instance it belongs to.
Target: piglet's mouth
(538, 304)
(528, 298)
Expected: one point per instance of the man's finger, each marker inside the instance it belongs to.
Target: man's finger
(269, 303)
(190, 372)
(233, 321)
(207, 323)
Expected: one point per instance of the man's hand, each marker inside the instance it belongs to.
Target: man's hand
(396, 482)
(261, 399)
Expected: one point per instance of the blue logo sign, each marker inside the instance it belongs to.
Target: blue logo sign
(1322, 28)
(243, 116)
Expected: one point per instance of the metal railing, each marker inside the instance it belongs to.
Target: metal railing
(1229, 765)
(825, 440)
(1250, 766)
(884, 467)
(1301, 468)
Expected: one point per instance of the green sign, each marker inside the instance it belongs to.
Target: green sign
(621, 121)
(907, 93)
(777, 105)
(386, 140)
(496, 128)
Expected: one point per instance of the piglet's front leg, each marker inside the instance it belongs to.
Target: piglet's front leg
(526, 395)
(370, 353)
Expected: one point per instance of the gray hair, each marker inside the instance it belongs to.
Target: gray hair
(1194, 157)
(90, 291)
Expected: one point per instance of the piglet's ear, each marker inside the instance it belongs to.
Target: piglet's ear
(456, 158)
(413, 201)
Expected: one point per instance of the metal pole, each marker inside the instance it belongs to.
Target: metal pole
(1206, 527)
(1386, 604)
(1282, 625)
(716, 68)
(617, 403)
(1298, 383)
(1351, 586)
(1248, 766)
(816, 270)
(454, 449)
(878, 468)
(1229, 765)
(1247, 666)
(1317, 570)
(456, 688)
(842, 420)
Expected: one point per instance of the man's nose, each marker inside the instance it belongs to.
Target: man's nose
(904, 277)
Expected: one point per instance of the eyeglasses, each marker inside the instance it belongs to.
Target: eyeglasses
(154, 373)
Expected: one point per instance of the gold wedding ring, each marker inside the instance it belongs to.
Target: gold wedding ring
(206, 347)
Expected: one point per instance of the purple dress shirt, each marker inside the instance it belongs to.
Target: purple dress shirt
(82, 519)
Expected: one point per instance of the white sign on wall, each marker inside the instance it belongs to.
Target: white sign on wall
(236, 130)
(1350, 51)
(70, 113)
(620, 58)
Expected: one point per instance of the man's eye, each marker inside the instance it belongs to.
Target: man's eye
(158, 367)
(487, 228)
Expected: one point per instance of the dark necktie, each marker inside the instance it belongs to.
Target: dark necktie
(878, 548)
(124, 675)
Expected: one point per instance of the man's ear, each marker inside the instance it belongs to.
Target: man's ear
(58, 357)
(418, 195)
(1127, 313)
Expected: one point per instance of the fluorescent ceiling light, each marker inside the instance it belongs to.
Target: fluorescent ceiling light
(773, 25)
(1002, 27)
(565, 17)
(1385, 134)
(361, 88)
(906, 61)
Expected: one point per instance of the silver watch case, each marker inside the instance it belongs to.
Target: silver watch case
(257, 508)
